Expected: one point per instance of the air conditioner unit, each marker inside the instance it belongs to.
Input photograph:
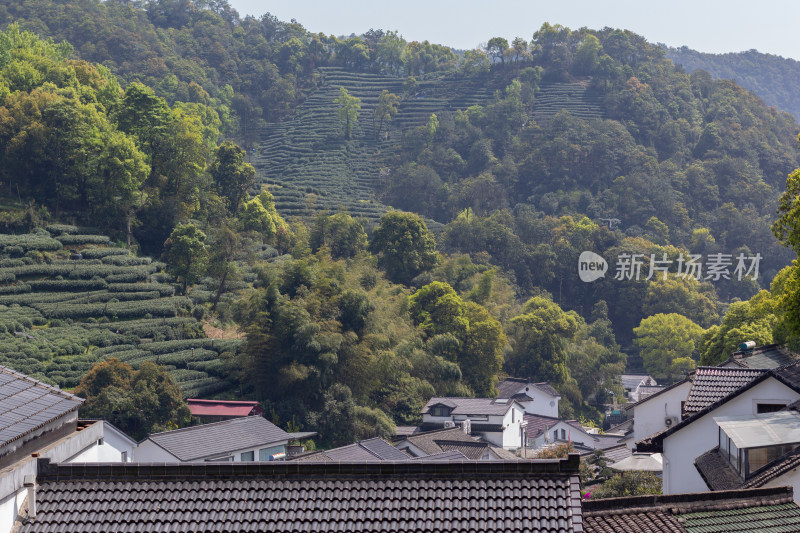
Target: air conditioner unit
(670, 421)
(449, 424)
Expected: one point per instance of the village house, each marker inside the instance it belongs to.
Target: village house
(245, 439)
(438, 441)
(658, 411)
(544, 431)
(682, 443)
(535, 398)
(763, 357)
(37, 419)
(207, 411)
(634, 383)
(753, 451)
(374, 449)
(498, 421)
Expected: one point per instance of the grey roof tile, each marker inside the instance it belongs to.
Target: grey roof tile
(27, 404)
(413, 496)
(754, 510)
(769, 356)
(711, 384)
(471, 406)
(426, 441)
(218, 438)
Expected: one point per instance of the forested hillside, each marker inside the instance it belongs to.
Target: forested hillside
(774, 78)
(380, 221)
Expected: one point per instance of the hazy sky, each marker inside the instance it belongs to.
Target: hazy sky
(705, 25)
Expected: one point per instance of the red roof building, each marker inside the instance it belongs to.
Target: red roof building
(215, 410)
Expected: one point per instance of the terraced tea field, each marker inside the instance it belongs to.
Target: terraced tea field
(69, 299)
(310, 167)
(573, 97)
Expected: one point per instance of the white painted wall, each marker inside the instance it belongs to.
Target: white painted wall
(649, 415)
(114, 444)
(554, 433)
(684, 446)
(512, 435)
(541, 403)
(12, 491)
(9, 509)
(149, 452)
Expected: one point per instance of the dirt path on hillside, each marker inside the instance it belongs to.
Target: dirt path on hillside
(213, 332)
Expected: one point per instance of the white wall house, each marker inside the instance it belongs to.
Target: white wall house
(632, 382)
(659, 411)
(250, 438)
(542, 431)
(535, 398)
(496, 421)
(114, 446)
(35, 418)
(683, 443)
(754, 451)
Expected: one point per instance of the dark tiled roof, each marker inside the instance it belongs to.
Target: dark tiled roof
(631, 381)
(789, 376)
(622, 428)
(718, 474)
(412, 496)
(614, 454)
(646, 390)
(603, 442)
(27, 404)
(716, 471)
(547, 388)
(426, 441)
(712, 383)
(403, 431)
(451, 455)
(471, 406)
(504, 454)
(754, 511)
(375, 449)
(472, 450)
(219, 438)
(769, 356)
(538, 424)
(510, 386)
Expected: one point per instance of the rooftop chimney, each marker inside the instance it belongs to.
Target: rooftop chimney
(30, 484)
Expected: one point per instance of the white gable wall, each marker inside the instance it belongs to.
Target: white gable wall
(682, 447)
(512, 432)
(110, 451)
(649, 415)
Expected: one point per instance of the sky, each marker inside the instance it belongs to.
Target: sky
(716, 26)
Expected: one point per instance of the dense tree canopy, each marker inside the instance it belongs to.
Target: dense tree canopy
(138, 402)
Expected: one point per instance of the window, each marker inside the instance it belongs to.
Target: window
(758, 458)
(248, 456)
(124, 457)
(769, 407)
(100, 441)
(512, 415)
(440, 410)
